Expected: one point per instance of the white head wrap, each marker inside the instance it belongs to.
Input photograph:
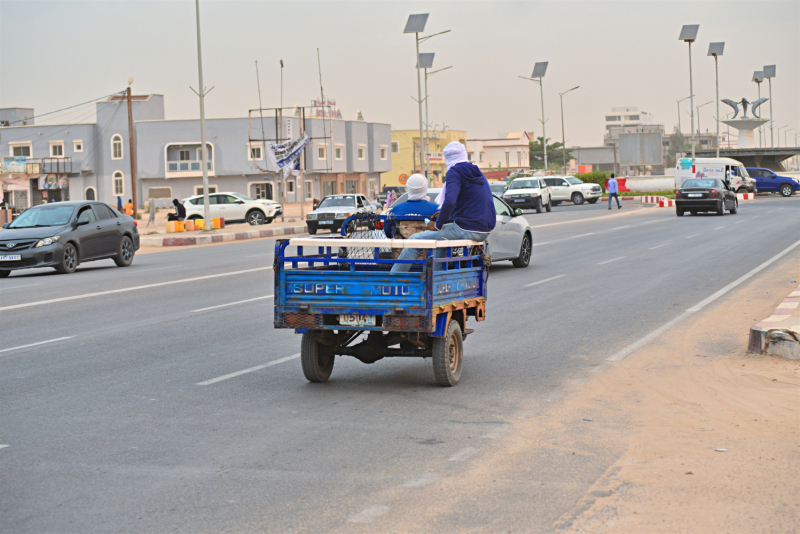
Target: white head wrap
(454, 153)
(417, 186)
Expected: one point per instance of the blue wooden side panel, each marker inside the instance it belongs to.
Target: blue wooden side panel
(457, 285)
(345, 289)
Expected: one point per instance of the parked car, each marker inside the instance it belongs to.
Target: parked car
(396, 191)
(512, 237)
(529, 193)
(769, 182)
(334, 209)
(569, 188)
(65, 234)
(705, 194)
(234, 207)
(498, 188)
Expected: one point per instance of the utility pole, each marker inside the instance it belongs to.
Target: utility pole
(419, 106)
(691, 95)
(134, 196)
(203, 149)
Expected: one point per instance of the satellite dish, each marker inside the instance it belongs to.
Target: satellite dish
(130, 80)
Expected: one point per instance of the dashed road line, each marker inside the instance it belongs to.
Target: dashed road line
(609, 261)
(18, 287)
(463, 455)
(155, 269)
(691, 236)
(658, 246)
(370, 514)
(36, 344)
(737, 222)
(424, 480)
(719, 227)
(582, 235)
(540, 244)
(3, 446)
(245, 371)
(232, 303)
(543, 281)
(621, 227)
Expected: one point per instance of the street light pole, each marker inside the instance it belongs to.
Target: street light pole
(700, 131)
(202, 93)
(563, 135)
(758, 77)
(769, 73)
(679, 113)
(688, 35)
(427, 123)
(716, 49)
(538, 72)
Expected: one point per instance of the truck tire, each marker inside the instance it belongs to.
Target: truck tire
(592, 200)
(316, 358)
(539, 205)
(549, 205)
(448, 356)
(577, 199)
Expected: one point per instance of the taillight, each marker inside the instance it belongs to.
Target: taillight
(379, 225)
(713, 194)
(135, 223)
(678, 194)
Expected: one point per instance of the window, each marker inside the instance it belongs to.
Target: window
(395, 147)
(631, 117)
(480, 156)
(613, 118)
(338, 152)
(384, 152)
(116, 147)
(118, 183)
(104, 212)
(77, 145)
(198, 189)
(309, 190)
(507, 159)
(328, 187)
(56, 149)
(290, 186)
(91, 194)
(350, 186)
(263, 191)
(361, 152)
(21, 149)
(86, 214)
(500, 208)
(255, 153)
(372, 188)
(321, 152)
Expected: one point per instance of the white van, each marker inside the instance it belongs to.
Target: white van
(688, 168)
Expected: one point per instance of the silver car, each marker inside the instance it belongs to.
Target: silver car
(334, 209)
(511, 239)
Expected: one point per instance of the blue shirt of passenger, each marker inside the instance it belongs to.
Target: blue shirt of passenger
(421, 209)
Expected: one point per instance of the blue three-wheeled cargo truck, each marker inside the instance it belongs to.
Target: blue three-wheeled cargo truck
(341, 295)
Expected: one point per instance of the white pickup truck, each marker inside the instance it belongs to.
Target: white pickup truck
(569, 188)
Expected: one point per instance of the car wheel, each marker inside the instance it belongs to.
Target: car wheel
(448, 356)
(539, 205)
(549, 205)
(555, 202)
(4, 274)
(721, 208)
(741, 190)
(269, 220)
(126, 252)
(786, 190)
(316, 359)
(312, 231)
(679, 212)
(69, 261)
(592, 201)
(525, 249)
(256, 218)
(694, 212)
(735, 209)
(577, 199)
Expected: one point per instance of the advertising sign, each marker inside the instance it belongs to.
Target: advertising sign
(708, 170)
(15, 164)
(53, 181)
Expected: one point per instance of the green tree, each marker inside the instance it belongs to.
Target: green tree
(555, 154)
(677, 143)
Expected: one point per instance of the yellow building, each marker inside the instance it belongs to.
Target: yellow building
(405, 154)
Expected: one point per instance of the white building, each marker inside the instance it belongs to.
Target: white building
(512, 153)
(627, 116)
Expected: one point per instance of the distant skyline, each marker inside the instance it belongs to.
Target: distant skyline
(56, 54)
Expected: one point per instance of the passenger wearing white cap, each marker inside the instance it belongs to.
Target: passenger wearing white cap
(417, 206)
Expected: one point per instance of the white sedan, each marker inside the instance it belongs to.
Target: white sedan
(234, 207)
(511, 239)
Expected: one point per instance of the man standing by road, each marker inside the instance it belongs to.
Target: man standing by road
(129, 208)
(612, 188)
(468, 208)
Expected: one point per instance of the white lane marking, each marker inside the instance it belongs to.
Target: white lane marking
(232, 304)
(258, 255)
(582, 235)
(609, 261)
(656, 220)
(770, 211)
(719, 228)
(540, 244)
(3, 446)
(370, 514)
(621, 227)
(17, 287)
(658, 246)
(498, 432)
(691, 236)
(249, 370)
(36, 344)
(627, 351)
(543, 281)
(464, 454)
(755, 217)
(134, 288)
(737, 222)
(424, 480)
(155, 269)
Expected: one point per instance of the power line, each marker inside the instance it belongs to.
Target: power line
(64, 109)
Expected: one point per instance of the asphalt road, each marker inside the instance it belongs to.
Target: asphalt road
(114, 417)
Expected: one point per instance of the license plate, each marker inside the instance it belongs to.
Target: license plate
(11, 258)
(357, 320)
(519, 200)
(695, 195)
(326, 222)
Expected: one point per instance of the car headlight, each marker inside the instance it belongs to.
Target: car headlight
(342, 215)
(312, 216)
(47, 241)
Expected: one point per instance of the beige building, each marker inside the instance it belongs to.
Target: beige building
(512, 153)
(405, 155)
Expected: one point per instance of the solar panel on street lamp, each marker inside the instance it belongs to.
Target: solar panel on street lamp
(688, 35)
(416, 23)
(539, 69)
(689, 32)
(425, 60)
(715, 49)
(769, 73)
(758, 77)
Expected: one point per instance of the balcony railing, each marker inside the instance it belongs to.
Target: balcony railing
(436, 156)
(187, 166)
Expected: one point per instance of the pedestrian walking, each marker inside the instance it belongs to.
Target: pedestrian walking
(612, 188)
(129, 208)
(119, 204)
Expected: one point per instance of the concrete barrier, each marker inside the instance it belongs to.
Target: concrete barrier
(779, 334)
(746, 196)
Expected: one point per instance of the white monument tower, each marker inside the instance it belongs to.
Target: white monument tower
(745, 124)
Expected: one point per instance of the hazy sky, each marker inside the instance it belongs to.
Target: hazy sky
(54, 54)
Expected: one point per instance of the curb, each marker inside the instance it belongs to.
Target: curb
(778, 335)
(746, 196)
(170, 241)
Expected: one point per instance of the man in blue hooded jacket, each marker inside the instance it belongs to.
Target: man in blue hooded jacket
(467, 209)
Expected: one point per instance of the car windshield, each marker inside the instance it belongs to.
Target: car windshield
(497, 188)
(700, 183)
(574, 181)
(243, 197)
(524, 184)
(338, 201)
(44, 216)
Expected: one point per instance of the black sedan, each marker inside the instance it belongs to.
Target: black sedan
(708, 194)
(65, 234)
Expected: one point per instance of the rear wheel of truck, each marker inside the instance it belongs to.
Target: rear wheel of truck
(539, 205)
(448, 356)
(316, 358)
